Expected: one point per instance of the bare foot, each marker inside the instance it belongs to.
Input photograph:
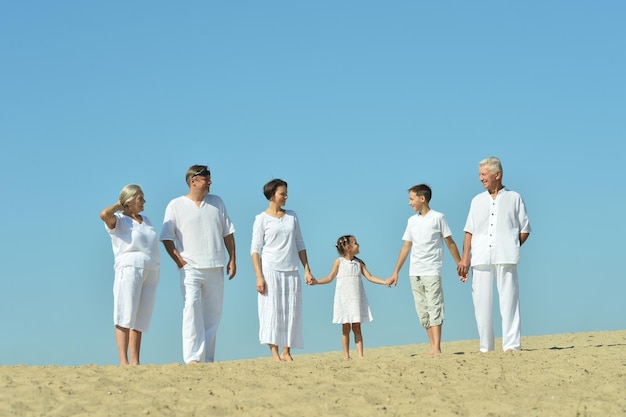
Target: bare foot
(434, 353)
(194, 362)
(286, 357)
(274, 353)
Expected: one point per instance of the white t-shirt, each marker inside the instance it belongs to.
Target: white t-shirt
(134, 244)
(427, 234)
(495, 226)
(198, 232)
(278, 240)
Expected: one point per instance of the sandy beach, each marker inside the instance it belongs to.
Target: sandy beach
(580, 374)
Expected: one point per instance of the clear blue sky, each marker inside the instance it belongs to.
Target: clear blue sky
(351, 103)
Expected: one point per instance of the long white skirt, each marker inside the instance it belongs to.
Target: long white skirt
(280, 309)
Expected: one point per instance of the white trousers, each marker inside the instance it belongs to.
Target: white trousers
(134, 294)
(203, 297)
(482, 294)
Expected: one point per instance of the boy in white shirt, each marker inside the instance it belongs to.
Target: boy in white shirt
(423, 238)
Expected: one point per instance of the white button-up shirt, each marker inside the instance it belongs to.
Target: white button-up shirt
(495, 226)
(278, 241)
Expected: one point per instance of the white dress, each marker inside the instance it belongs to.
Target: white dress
(351, 305)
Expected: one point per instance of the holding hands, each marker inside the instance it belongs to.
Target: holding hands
(392, 280)
(462, 268)
(309, 278)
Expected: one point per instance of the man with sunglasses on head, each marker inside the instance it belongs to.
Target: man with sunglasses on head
(197, 233)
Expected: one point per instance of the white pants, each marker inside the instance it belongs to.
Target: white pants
(482, 294)
(134, 293)
(203, 297)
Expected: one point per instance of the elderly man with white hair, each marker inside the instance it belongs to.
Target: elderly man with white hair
(497, 226)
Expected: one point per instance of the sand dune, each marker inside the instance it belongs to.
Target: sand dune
(580, 374)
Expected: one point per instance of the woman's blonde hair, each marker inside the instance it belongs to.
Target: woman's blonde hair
(129, 193)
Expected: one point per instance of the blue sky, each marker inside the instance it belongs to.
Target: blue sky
(351, 103)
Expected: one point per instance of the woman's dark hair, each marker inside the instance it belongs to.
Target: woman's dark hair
(270, 188)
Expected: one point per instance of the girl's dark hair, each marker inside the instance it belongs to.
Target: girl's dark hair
(270, 188)
(341, 245)
(342, 242)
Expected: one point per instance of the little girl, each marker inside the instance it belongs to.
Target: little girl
(351, 307)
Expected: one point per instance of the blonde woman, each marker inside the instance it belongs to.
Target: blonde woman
(136, 252)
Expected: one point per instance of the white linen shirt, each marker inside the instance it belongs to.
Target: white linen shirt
(427, 234)
(278, 241)
(495, 225)
(134, 244)
(198, 232)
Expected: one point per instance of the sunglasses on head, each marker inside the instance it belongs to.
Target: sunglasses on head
(201, 173)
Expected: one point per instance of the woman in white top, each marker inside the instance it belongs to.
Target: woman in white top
(277, 250)
(136, 251)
